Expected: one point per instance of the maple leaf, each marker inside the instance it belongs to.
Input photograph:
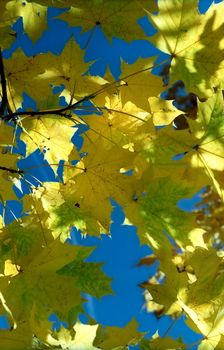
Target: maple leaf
(23, 74)
(40, 282)
(117, 125)
(68, 69)
(17, 339)
(98, 177)
(162, 111)
(137, 148)
(175, 284)
(34, 16)
(112, 337)
(158, 343)
(141, 84)
(83, 339)
(58, 212)
(208, 131)
(185, 35)
(7, 35)
(157, 213)
(51, 134)
(85, 275)
(200, 147)
(116, 19)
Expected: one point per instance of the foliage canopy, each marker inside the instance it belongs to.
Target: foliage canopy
(144, 146)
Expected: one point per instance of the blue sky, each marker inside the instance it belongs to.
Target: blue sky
(122, 251)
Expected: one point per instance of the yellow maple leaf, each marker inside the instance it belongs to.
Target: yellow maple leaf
(33, 14)
(185, 35)
(162, 111)
(69, 69)
(83, 339)
(117, 18)
(23, 75)
(117, 125)
(51, 134)
(139, 83)
(7, 35)
(99, 177)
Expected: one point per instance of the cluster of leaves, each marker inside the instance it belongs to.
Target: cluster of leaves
(139, 149)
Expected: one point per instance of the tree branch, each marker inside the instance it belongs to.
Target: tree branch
(12, 171)
(58, 111)
(69, 107)
(3, 83)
